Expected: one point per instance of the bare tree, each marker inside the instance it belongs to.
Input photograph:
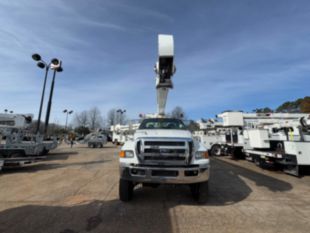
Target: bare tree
(94, 118)
(178, 112)
(81, 119)
(111, 117)
(116, 116)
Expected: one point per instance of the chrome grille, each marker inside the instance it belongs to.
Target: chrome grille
(165, 152)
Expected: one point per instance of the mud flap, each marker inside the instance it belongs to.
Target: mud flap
(291, 169)
(290, 166)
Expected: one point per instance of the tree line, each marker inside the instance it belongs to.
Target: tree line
(301, 105)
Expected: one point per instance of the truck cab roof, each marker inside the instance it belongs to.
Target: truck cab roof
(162, 123)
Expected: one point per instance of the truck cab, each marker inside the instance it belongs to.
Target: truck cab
(163, 151)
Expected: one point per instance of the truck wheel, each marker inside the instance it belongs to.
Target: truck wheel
(200, 192)
(216, 150)
(259, 162)
(125, 190)
(45, 151)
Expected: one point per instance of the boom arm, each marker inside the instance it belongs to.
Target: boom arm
(164, 70)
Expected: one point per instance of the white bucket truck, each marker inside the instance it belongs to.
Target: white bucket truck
(163, 151)
(277, 139)
(17, 146)
(282, 140)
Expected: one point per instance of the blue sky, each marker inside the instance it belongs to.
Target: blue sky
(240, 54)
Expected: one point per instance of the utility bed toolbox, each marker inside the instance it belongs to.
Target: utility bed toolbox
(259, 138)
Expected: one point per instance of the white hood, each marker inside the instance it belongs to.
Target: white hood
(163, 133)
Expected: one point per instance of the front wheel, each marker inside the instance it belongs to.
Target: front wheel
(200, 192)
(45, 151)
(125, 190)
(216, 150)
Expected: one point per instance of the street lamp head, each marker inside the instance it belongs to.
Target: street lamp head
(70, 112)
(36, 57)
(121, 111)
(41, 65)
(60, 69)
(55, 61)
(65, 110)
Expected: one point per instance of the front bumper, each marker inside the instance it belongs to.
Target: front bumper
(164, 174)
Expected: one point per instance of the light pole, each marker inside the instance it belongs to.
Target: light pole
(121, 112)
(67, 113)
(56, 66)
(42, 64)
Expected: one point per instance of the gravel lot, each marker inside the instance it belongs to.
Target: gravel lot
(76, 190)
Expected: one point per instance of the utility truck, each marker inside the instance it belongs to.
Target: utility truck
(211, 134)
(95, 140)
(270, 139)
(162, 150)
(17, 145)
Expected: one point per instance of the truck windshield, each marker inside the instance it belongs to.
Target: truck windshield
(162, 123)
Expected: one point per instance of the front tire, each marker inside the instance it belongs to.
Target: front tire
(200, 192)
(216, 150)
(45, 151)
(125, 190)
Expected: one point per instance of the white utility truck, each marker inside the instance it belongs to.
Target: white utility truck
(280, 139)
(211, 134)
(283, 140)
(95, 140)
(17, 146)
(162, 150)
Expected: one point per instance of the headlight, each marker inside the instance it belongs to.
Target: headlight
(126, 154)
(202, 155)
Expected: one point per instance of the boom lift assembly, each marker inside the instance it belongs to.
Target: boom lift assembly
(164, 69)
(122, 133)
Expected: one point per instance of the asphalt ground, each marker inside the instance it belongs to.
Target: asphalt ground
(76, 190)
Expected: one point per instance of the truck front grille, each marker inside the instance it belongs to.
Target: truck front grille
(164, 151)
(170, 151)
(164, 143)
(158, 158)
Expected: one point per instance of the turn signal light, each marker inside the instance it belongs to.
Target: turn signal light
(206, 155)
(122, 154)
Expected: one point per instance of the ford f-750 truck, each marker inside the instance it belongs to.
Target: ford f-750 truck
(163, 151)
